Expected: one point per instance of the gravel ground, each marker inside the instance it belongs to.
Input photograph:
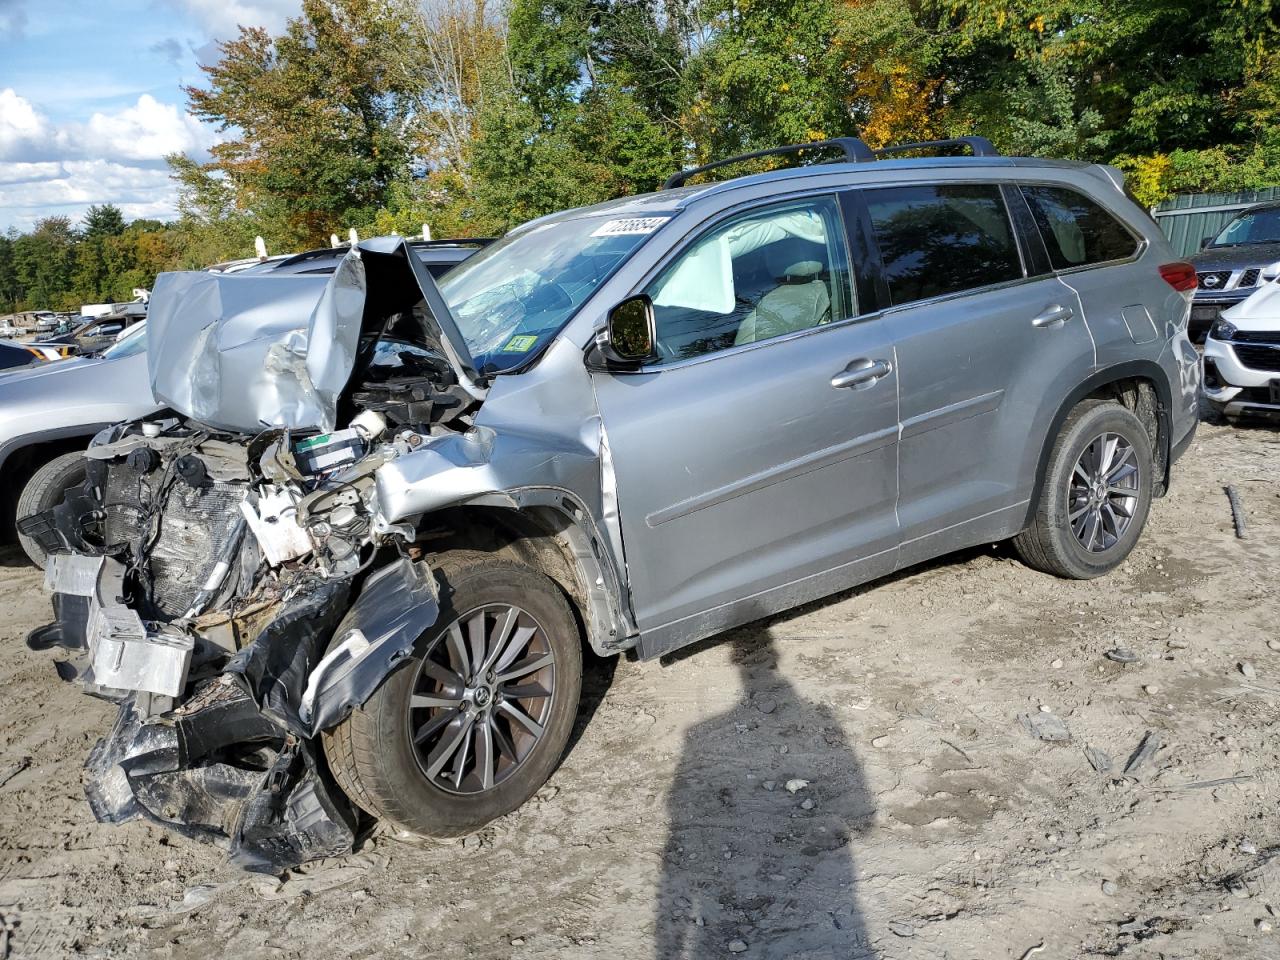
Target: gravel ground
(852, 779)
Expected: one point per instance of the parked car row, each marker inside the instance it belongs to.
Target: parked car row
(348, 558)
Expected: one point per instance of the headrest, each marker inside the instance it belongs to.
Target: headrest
(802, 271)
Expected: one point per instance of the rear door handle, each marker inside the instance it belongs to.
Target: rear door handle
(1054, 316)
(861, 373)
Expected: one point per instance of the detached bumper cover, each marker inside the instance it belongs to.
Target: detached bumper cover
(238, 761)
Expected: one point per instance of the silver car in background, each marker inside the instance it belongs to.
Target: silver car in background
(380, 518)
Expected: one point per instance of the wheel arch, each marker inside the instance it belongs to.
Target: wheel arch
(1140, 385)
(550, 531)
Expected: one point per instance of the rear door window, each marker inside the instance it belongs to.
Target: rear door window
(944, 238)
(1077, 231)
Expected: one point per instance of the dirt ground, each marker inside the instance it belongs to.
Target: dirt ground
(849, 780)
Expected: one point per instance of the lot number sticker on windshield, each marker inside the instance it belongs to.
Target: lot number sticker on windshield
(520, 344)
(631, 227)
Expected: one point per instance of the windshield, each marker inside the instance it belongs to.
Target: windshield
(515, 295)
(1260, 226)
(133, 344)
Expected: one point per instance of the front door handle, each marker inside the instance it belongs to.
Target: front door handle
(861, 373)
(1054, 316)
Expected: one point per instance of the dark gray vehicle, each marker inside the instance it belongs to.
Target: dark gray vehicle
(353, 566)
(1234, 264)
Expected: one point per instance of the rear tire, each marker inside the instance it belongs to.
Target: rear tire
(373, 755)
(45, 490)
(1062, 538)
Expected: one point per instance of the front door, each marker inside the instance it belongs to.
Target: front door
(756, 457)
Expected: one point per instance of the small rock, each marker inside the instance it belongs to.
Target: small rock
(807, 804)
(1045, 708)
(470, 842)
(737, 946)
(1239, 890)
(901, 928)
(517, 941)
(770, 785)
(267, 887)
(1121, 655)
(1263, 925)
(783, 748)
(1273, 644)
(1056, 664)
(1109, 888)
(1248, 847)
(879, 742)
(1246, 668)
(796, 784)
(1175, 644)
(1152, 689)
(767, 706)
(1045, 726)
(198, 896)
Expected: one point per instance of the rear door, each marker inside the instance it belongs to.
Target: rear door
(1094, 253)
(988, 344)
(755, 460)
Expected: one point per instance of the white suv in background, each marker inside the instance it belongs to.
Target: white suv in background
(1242, 357)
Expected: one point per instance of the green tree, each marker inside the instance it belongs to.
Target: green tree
(43, 261)
(319, 118)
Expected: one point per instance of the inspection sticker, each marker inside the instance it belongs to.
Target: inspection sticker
(520, 344)
(633, 226)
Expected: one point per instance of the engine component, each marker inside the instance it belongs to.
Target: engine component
(192, 471)
(316, 455)
(275, 526)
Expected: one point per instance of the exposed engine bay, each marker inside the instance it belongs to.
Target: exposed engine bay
(224, 573)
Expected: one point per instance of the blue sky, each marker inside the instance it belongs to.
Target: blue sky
(91, 99)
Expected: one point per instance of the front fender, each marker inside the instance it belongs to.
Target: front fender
(396, 606)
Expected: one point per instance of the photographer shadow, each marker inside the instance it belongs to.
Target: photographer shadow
(747, 859)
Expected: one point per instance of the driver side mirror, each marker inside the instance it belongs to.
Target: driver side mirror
(629, 335)
(1205, 241)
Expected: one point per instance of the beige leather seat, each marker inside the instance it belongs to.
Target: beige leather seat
(799, 301)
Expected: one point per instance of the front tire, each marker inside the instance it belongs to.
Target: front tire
(45, 490)
(473, 724)
(1096, 494)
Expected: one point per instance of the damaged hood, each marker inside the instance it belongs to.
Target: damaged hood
(244, 352)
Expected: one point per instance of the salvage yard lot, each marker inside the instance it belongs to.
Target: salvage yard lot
(851, 779)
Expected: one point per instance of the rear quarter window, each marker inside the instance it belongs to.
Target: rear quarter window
(941, 239)
(1077, 231)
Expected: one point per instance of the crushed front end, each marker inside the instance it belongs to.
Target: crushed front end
(236, 591)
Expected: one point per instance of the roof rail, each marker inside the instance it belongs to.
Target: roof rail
(980, 146)
(855, 151)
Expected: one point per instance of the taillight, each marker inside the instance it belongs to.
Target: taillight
(1180, 275)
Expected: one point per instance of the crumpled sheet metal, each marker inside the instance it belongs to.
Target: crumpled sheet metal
(242, 352)
(394, 609)
(180, 773)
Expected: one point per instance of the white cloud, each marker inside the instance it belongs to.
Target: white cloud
(146, 131)
(117, 157)
(76, 184)
(222, 18)
(24, 132)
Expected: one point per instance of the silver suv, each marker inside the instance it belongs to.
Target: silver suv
(381, 518)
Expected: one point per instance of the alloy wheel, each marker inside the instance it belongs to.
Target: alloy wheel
(481, 699)
(1103, 493)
